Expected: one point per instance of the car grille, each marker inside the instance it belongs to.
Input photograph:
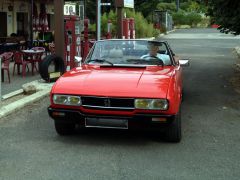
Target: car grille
(107, 103)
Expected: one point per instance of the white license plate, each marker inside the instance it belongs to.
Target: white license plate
(106, 123)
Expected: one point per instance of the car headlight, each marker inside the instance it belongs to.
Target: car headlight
(155, 104)
(67, 100)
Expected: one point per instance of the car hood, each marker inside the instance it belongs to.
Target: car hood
(116, 82)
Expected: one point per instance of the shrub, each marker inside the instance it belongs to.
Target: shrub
(181, 18)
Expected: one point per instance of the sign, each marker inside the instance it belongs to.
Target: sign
(105, 4)
(69, 9)
(124, 3)
(129, 3)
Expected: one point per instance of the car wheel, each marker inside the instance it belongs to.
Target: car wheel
(64, 128)
(173, 132)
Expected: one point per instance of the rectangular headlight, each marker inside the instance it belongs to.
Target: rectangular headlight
(154, 104)
(67, 100)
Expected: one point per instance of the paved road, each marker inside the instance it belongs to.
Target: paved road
(30, 148)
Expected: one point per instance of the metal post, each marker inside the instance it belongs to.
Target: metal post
(31, 25)
(177, 5)
(85, 12)
(98, 19)
(1, 80)
(119, 22)
(166, 21)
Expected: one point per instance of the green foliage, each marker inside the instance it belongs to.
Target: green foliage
(182, 18)
(226, 13)
(142, 26)
(167, 7)
(193, 19)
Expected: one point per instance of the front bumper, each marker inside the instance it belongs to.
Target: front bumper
(138, 120)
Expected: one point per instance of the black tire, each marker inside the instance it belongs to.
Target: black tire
(173, 132)
(64, 128)
(44, 67)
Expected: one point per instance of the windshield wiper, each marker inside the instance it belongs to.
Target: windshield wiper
(101, 61)
(157, 62)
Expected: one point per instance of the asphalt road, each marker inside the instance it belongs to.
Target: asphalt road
(210, 148)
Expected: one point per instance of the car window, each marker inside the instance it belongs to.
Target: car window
(129, 52)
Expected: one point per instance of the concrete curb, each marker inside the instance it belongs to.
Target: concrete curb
(43, 90)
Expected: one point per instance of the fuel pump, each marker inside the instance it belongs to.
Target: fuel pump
(132, 28)
(126, 31)
(109, 27)
(72, 40)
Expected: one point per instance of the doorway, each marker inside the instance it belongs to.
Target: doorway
(22, 24)
(3, 20)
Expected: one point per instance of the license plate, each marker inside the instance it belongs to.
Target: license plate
(106, 123)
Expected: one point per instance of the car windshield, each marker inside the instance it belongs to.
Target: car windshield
(129, 52)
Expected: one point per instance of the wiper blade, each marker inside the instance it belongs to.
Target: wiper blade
(101, 61)
(157, 62)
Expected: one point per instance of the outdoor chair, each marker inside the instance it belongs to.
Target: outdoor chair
(37, 58)
(6, 58)
(19, 61)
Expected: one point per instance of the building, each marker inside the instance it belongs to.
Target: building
(15, 16)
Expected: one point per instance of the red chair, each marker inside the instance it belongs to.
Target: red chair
(36, 59)
(6, 58)
(19, 61)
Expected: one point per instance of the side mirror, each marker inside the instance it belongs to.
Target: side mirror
(78, 60)
(184, 62)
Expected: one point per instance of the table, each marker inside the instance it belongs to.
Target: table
(33, 56)
(10, 47)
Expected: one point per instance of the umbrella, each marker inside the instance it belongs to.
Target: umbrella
(43, 21)
(35, 18)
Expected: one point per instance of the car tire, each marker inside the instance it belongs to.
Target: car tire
(173, 132)
(64, 128)
(44, 67)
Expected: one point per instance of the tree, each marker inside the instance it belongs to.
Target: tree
(226, 13)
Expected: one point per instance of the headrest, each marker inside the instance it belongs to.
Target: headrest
(116, 53)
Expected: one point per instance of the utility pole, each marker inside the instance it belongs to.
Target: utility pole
(177, 5)
(98, 19)
(59, 27)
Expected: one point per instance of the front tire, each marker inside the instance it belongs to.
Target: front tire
(174, 133)
(64, 128)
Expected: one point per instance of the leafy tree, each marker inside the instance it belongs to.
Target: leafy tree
(226, 13)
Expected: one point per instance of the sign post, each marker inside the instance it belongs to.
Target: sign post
(99, 4)
(120, 4)
(1, 81)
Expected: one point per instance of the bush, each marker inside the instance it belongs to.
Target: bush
(191, 19)
(142, 27)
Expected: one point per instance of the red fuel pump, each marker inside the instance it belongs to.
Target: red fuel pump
(85, 43)
(126, 31)
(72, 40)
(132, 28)
(109, 27)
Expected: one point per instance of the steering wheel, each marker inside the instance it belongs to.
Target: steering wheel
(150, 56)
(155, 59)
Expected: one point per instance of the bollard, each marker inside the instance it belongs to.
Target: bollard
(1, 80)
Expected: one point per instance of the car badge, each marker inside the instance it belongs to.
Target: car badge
(107, 103)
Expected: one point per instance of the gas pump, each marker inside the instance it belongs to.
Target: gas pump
(86, 43)
(132, 28)
(72, 40)
(109, 25)
(126, 31)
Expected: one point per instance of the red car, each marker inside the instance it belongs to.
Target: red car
(122, 84)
